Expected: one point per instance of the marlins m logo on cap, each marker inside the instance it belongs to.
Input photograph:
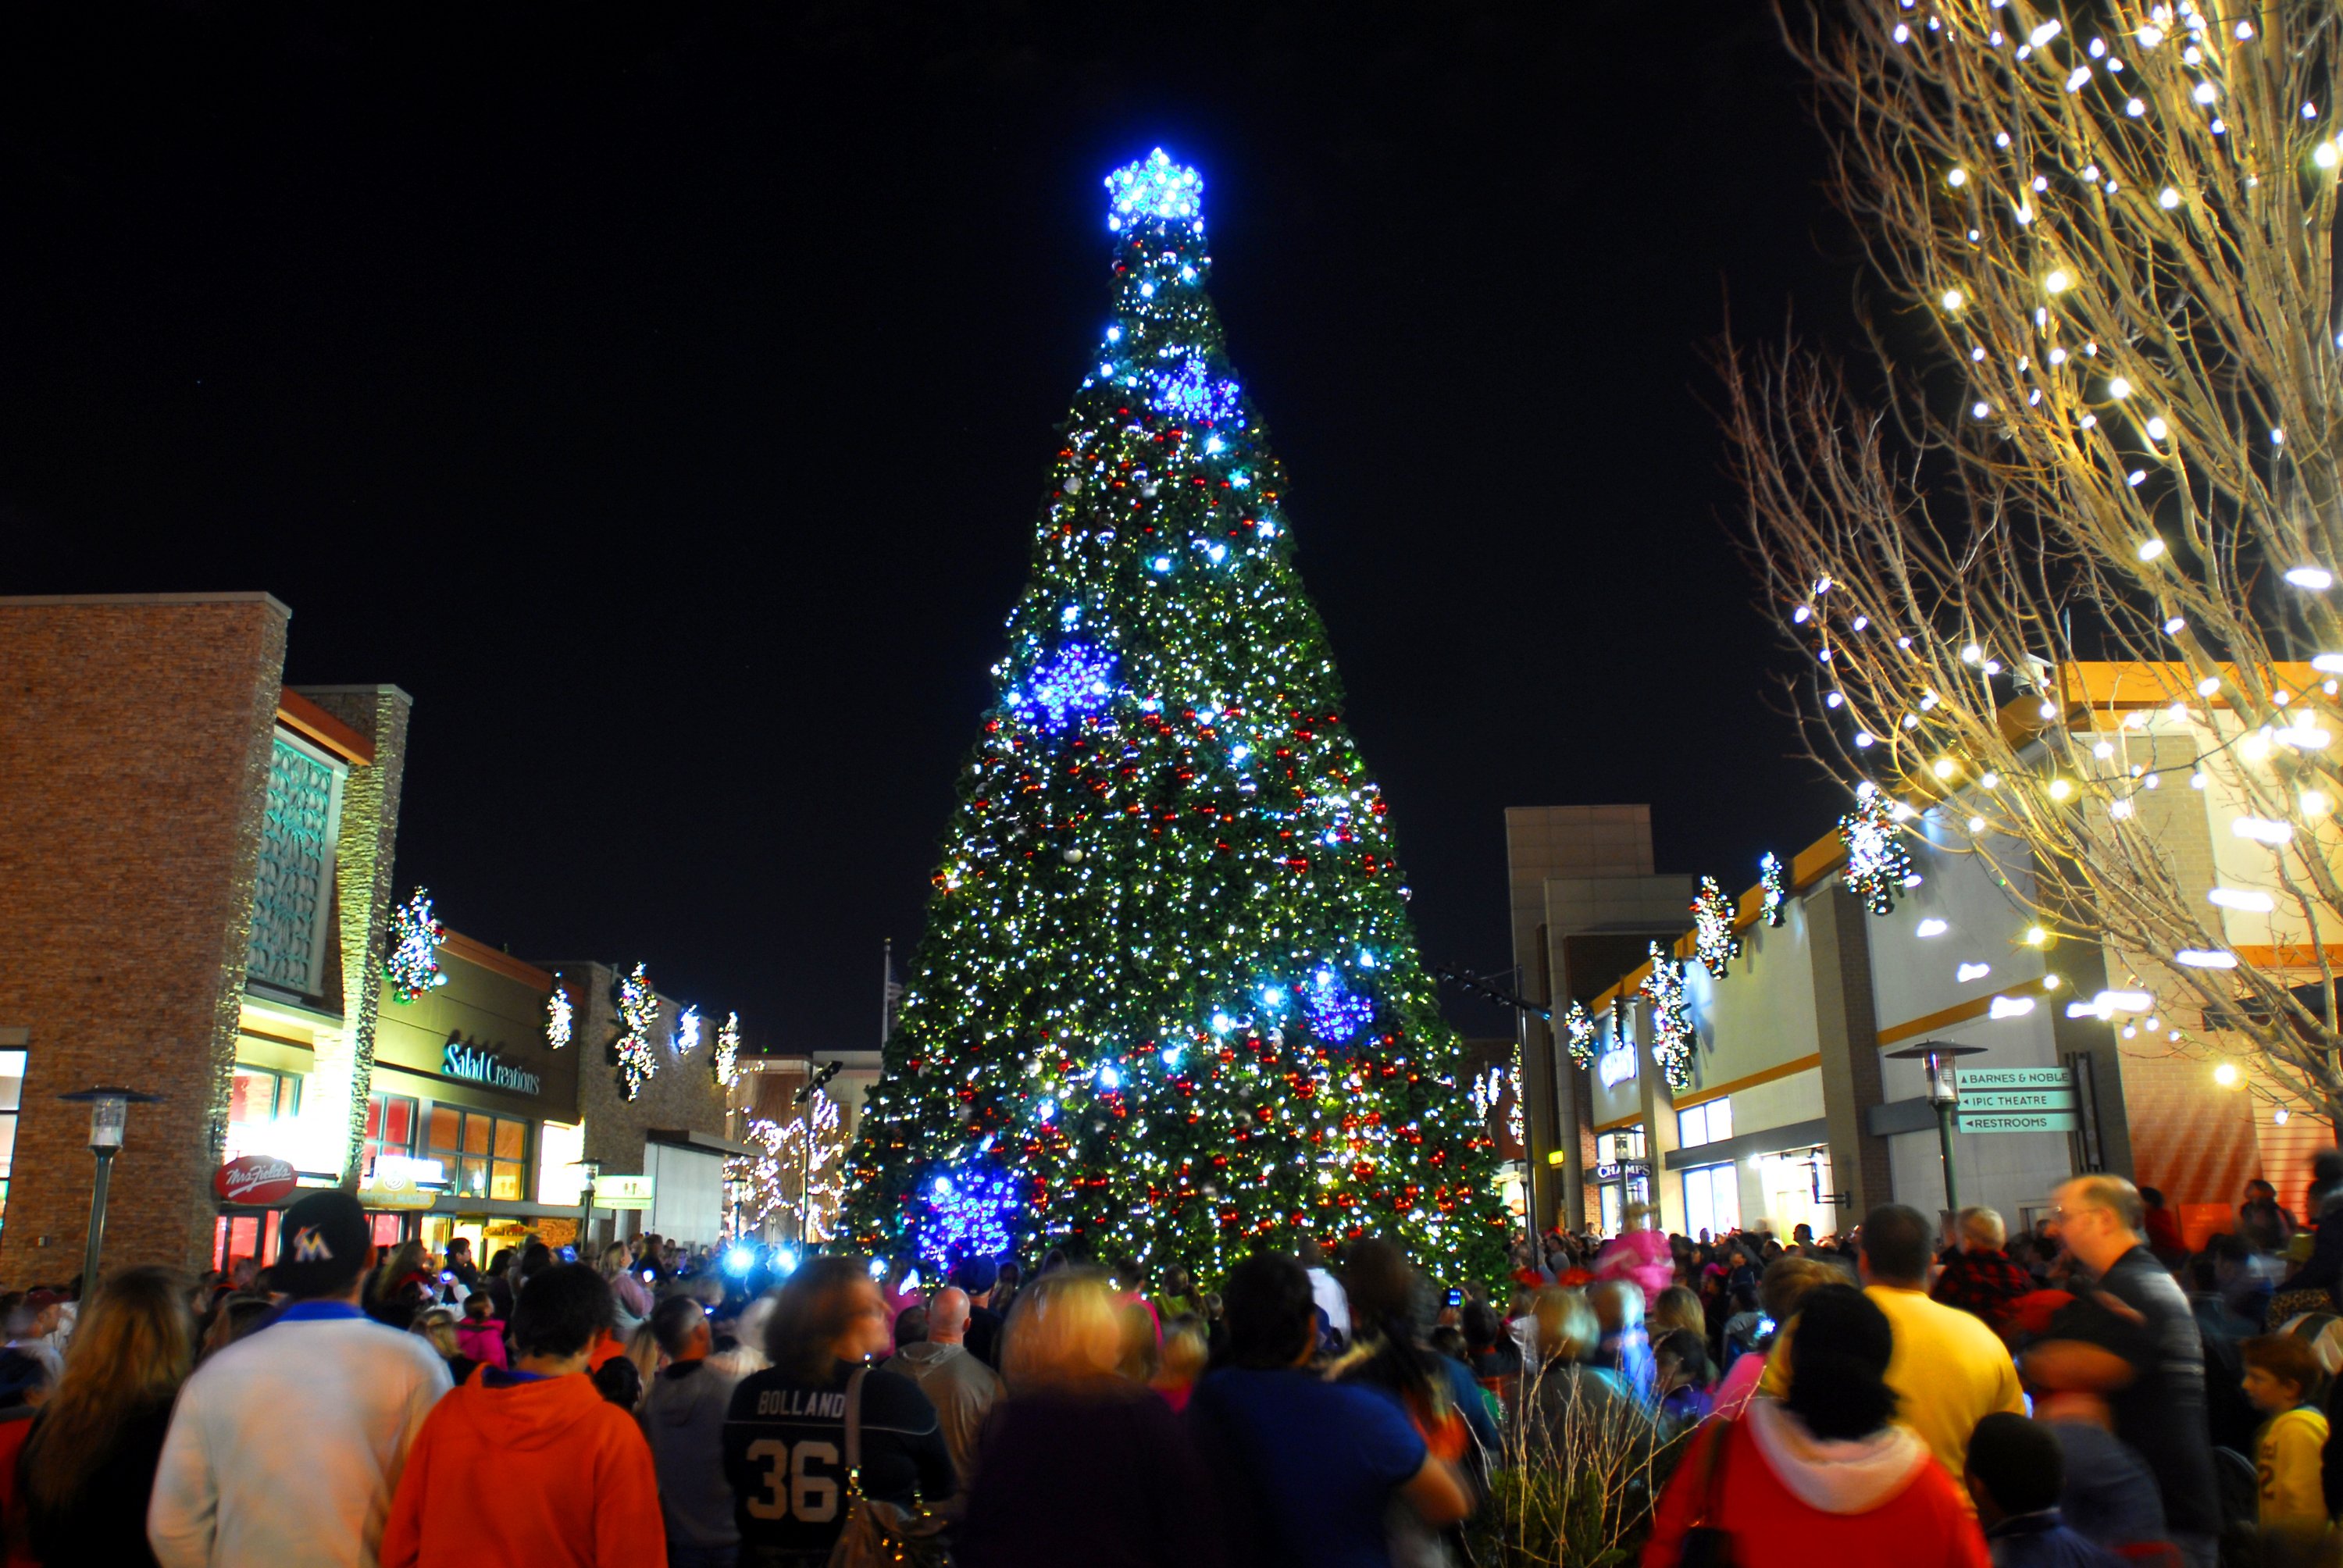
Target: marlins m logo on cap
(308, 1247)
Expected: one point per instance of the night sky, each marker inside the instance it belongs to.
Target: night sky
(663, 395)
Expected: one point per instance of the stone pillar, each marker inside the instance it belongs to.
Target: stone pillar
(1846, 1029)
(363, 867)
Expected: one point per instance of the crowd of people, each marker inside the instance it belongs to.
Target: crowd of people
(2087, 1394)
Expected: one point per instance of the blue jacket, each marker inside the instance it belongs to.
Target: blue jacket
(2043, 1540)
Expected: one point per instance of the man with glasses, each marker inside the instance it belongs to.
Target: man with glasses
(2130, 1338)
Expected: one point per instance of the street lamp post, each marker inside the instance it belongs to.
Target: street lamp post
(109, 1118)
(1936, 1057)
(593, 1168)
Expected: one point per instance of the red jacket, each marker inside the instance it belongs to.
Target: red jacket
(1901, 1506)
(544, 1472)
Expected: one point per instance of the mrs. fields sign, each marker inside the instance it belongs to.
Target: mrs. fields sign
(473, 1065)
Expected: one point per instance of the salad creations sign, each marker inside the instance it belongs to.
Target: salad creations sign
(473, 1065)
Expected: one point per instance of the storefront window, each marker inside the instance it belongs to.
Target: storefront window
(485, 1156)
(1709, 1124)
(389, 1129)
(1791, 1182)
(259, 1104)
(12, 1089)
(1712, 1199)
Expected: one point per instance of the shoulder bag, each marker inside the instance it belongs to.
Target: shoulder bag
(879, 1533)
(1707, 1544)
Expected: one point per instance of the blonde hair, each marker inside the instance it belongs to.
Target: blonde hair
(1983, 1226)
(643, 1350)
(437, 1325)
(1184, 1352)
(1567, 1328)
(1064, 1327)
(133, 1347)
(1678, 1308)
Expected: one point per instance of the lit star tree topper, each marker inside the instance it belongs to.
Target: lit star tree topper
(1168, 991)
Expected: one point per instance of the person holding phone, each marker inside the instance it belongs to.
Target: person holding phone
(629, 1296)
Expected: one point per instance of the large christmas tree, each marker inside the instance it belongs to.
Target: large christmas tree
(1168, 998)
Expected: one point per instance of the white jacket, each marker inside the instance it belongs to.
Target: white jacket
(284, 1447)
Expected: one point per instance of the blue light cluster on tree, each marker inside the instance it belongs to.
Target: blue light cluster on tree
(1189, 390)
(967, 1217)
(1336, 1013)
(1076, 679)
(1116, 1008)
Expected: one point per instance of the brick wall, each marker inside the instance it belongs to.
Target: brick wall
(681, 1094)
(134, 741)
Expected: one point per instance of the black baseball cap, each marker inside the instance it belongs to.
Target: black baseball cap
(323, 1244)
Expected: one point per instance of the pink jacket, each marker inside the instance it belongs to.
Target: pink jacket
(1641, 1256)
(483, 1341)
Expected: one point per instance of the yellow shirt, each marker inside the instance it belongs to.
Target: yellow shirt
(1948, 1369)
(2286, 1460)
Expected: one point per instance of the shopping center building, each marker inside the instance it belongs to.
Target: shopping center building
(196, 879)
(1796, 1108)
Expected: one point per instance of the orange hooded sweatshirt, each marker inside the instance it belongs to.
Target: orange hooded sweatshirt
(544, 1472)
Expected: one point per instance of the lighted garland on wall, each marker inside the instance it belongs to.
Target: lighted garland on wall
(1876, 863)
(1770, 881)
(724, 1062)
(636, 1049)
(411, 962)
(1714, 942)
(1673, 1038)
(560, 1017)
(1168, 978)
(1578, 1034)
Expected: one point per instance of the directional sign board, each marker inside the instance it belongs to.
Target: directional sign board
(1968, 1120)
(1970, 1078)
(2016, 1100)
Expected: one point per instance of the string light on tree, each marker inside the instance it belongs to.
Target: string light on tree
(410, 962)
(1876, 863)
(1168, 976)
(559, 1016)
(636, 1052)
(1673, 1037)
(2030, 170)
(805, 1155)
(687, 1032)
(1714, 942)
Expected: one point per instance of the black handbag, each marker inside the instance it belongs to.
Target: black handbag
(1707, 1544)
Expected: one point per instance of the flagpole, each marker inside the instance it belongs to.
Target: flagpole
(886, 991)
